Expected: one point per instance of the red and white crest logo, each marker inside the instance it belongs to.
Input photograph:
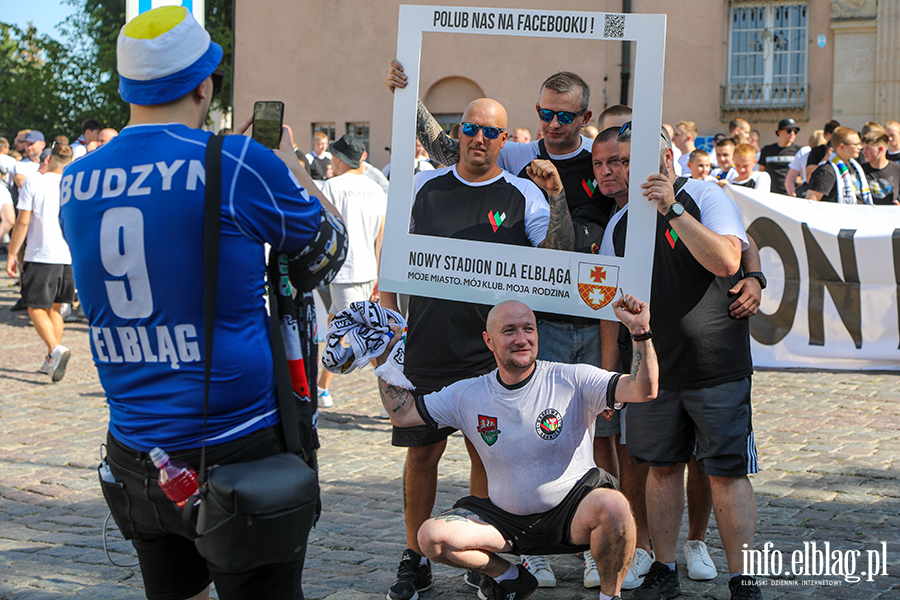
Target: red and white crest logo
(597, 284)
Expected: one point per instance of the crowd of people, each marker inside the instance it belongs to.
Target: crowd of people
(838, 164)
(37, 254)
(579, 430)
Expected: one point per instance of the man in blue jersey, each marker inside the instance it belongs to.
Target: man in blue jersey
(132, 212)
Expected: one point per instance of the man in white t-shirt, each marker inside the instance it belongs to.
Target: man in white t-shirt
(683, 139)
(532, 424)
(6, 161)
(33, 144)
(47, 280)
(7, 212)
(90, 131)
(362, 205)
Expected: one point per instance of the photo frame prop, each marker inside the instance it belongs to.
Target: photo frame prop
(553, 281)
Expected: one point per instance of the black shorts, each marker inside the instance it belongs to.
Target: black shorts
(171, 567)
(419, 436)
(44, 285)
(717, 420)
(541, 533)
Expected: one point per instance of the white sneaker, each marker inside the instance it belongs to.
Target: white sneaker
(45, 366)
(640, 565)
(58, 359)
(700, 565)
(384, 415)
(591, 575)
(325, 400)
(539, 566)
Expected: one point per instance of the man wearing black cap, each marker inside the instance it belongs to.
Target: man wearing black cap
(33, 144)
(362, 205)
(775, 159)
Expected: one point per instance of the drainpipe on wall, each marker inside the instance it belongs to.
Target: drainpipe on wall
(626, 60)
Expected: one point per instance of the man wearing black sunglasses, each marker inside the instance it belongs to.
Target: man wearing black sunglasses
(476, 200)
(562, 110)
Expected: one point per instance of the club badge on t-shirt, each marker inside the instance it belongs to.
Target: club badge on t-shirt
(487, 427)
(549, 424)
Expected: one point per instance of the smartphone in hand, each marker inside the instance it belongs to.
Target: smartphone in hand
(267, 121)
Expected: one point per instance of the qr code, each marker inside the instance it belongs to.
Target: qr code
(614, 26)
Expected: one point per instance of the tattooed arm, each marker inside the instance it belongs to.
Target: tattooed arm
(560, 231)
(399, 403)
(438, 144)
(643, 383)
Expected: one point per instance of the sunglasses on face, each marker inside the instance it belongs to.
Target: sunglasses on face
(563, 116)
(627, 126)
(471, 130)
(217, 77)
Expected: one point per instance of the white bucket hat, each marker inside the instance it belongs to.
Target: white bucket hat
(162, 55)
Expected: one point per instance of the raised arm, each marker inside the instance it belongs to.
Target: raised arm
(439, 146)
(719, 254)
(560, 231)
(399, 403)
(643, 384)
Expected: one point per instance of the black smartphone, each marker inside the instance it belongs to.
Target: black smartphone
(267, 121)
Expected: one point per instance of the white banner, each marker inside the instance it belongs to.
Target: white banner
(834, 280)
(485, 273)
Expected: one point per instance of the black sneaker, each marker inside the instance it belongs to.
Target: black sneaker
(478, 580)
(412, 577)
(743, 587)
(660, 583)
(514, 589)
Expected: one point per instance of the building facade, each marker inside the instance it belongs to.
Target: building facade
(764, 60)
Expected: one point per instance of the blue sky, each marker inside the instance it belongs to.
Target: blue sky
(46, 14)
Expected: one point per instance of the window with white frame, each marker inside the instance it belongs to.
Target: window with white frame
(767, 55)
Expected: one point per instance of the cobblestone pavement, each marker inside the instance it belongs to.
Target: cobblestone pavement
(828, 443)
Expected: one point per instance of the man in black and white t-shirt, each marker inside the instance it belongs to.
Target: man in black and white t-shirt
(532, 424)
(443, 338)
(883, 174)
(705, 369)
(775, 159)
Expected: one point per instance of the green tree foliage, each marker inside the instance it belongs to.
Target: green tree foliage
(53, 86)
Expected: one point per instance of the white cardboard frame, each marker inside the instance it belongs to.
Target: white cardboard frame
(546, 280)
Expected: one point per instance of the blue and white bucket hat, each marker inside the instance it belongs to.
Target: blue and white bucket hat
(162, 55)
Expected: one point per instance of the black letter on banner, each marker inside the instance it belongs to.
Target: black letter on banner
(771, 329)
(895, 242)
(845, 294)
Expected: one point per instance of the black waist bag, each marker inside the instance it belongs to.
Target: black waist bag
(256, 513)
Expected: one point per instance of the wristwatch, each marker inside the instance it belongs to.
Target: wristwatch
(676, 210)
(759, 276)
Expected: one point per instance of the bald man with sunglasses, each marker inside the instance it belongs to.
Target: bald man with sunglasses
(476, 200)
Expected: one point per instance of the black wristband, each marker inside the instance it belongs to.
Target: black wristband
(642, 336)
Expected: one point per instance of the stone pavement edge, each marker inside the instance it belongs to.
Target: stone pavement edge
(829, 444)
